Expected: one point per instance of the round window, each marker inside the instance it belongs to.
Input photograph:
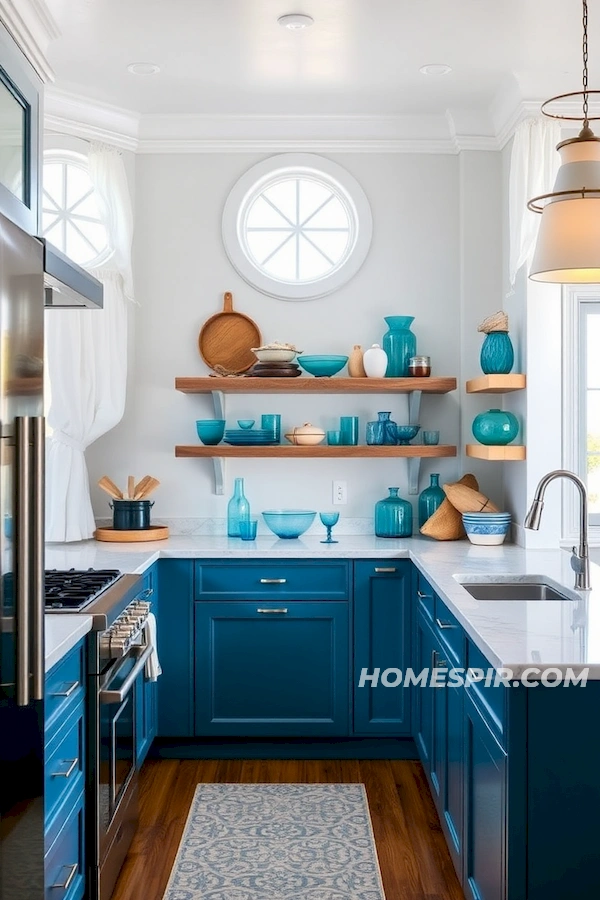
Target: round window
(297, 226)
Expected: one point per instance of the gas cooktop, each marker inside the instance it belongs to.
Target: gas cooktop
(71, 590)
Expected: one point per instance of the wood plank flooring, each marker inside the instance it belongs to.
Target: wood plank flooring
(414, 860)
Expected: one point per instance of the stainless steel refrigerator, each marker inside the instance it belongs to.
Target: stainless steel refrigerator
(21, 565)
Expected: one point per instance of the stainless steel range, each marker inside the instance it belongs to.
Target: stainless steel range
(117, 654)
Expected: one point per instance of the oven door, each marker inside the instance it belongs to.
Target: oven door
(117, 734)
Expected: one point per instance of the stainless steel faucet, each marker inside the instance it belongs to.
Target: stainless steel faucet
(580, 561)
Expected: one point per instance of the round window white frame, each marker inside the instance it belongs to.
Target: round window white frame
(260, 176)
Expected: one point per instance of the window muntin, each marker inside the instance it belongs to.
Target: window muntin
(589, 377)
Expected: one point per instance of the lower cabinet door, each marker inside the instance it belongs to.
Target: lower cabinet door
(145, 716)
(64, 864)
(272, 669)
(423, 696)
(381, 642)
(485, 810)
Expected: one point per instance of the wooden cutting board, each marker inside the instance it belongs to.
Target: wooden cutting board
(154, 533)
(226, 339)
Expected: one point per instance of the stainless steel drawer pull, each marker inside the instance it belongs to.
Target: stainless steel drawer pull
(66, 693)
(118, 696)
(272, 611)
(441, 624)
(145, 594)
(69, 771)
(423, 596)
(380, 570)
(273, 580)
(66, 884)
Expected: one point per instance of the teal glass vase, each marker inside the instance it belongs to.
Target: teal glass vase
(400, 344)
(497, 356)
(238, 509)
(430, 499)
(495, 427)
(393, 516)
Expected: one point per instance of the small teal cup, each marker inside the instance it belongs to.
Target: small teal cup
(210, 431)
(349, 430)
(430, 438)
(334, 438)
(248, 529)
(272, 422)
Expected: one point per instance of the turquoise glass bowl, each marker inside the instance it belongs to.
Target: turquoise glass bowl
(245, 423)
(288, 523)
(496, 427)
(322, 366)
(210, 431)
(405, 433)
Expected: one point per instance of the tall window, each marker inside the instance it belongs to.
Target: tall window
(70, 216)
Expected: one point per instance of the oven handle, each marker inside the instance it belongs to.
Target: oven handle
(107, 697)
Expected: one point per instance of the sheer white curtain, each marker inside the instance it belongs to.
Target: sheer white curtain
(87, 361)
(533, 166)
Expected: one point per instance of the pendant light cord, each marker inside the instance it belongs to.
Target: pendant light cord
(585, 65)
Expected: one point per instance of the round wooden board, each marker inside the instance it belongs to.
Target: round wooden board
(154, 533)
(226, 339)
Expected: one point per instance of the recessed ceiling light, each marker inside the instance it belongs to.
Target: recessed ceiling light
(435, 69)
(296, 21)
(143, 68)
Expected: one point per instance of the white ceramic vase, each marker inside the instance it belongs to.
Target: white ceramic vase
(375, 362)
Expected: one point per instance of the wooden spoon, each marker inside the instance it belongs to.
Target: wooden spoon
(140, 487)
(151, 486)
(130, 487)
(110, 487)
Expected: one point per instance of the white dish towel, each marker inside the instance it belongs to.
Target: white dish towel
(152, 668)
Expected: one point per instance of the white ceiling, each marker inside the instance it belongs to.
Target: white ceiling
(361, 57)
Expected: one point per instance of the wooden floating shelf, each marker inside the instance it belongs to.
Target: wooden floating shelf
(507, 453)
(321, 451)
(301, 385)
(496, 384)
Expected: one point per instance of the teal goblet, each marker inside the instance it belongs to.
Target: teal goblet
(329, 519)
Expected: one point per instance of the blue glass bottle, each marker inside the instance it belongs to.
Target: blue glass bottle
(393, 516)
(497, 356)
(238, 509)
(400, 344)
(430, 499)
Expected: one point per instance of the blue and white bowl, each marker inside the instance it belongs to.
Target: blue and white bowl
(486, 528)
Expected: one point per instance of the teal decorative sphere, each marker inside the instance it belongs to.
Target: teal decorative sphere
(495, 427)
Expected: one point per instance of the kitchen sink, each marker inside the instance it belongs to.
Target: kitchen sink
(514, 590)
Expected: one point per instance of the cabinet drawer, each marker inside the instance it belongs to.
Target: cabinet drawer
(64, 688)
(425, 596)
(449, 630)
(271, 579)
(63, 764)
(491, 700)
(65, 861)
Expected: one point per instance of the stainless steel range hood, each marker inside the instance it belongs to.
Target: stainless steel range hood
(68, 285)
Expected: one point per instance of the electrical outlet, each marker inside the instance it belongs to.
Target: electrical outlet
(340, 493)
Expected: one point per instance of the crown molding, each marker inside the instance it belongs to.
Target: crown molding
(74, 114)
(32, 25)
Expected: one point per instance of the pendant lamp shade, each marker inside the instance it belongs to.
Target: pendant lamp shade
(568, 244)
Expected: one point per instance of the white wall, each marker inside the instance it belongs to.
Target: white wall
(436, 254)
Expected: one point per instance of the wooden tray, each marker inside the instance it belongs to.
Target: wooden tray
(226, 339)
(154, 533)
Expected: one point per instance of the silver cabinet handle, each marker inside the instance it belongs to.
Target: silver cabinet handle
(423, 596)
(37, 556)
(273, 580)
(119, 696)
(23, 555)
(380, 570)
(438, 663)
(441, 624)
(66, 884)
(145, 594)
(67, 693)
(69, 771)
(272, 611)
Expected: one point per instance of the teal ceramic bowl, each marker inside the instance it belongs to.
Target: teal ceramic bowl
(405, 433)
(322, 366)
(210, 431)
(288, 523)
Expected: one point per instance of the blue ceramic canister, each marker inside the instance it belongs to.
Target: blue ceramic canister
(497, 356)
(400, 344)
(495, 427)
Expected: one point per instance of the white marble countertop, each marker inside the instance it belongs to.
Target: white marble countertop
(62, 633)
(511, 634)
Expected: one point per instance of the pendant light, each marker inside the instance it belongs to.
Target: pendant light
(568, 244)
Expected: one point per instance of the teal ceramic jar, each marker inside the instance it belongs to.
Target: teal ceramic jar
(430, 499)
(393, 516)
(495, 427)
(400, 344)
(497, 355)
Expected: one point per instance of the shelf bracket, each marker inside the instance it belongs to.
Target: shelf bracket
(218, 398)
(219, 467)
(414, 469)
(414, 407)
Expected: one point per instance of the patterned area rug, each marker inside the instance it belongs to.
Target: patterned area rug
(277, 842)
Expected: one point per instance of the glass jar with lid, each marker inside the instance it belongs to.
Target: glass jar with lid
(419, 366)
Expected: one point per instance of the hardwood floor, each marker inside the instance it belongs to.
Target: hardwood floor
(414, 860)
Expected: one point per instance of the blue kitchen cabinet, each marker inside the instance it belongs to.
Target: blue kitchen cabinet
(382, 617)
(146, 698)
(64, 777)
(175, 686)
(423, 658)
(272, 669)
